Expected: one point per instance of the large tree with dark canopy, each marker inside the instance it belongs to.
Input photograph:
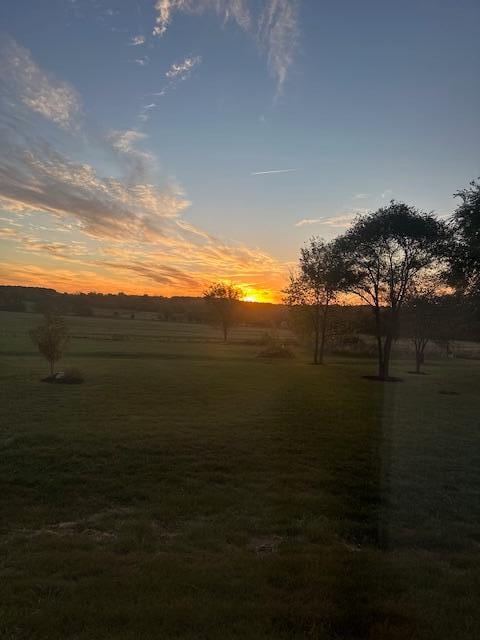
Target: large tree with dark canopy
(314, 287)
(465, 259)
(384, 254)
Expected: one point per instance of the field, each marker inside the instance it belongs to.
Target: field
(191, 490)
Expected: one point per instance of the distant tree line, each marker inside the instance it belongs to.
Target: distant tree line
(174, 309)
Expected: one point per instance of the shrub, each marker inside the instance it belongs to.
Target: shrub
(275, 348)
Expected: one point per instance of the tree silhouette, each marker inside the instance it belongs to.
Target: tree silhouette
(420, 321)
(384, 254)
(223, 299)
(315, 286)
(465, 259)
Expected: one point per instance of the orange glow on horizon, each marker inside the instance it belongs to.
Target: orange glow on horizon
(72, 281)
(251, 294)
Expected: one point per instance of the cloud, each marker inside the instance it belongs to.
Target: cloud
(41, 179)
(70, 252)
(279, 35)
(62, 279)
(343, 220)
(135, 41)
(142, 62)
(306, 221)
(274, 28)
(38, 91)
(360, 196)
(164, 10)
(144, 111)
(124, 141)
(176, 73)
(236, 10)
(139, 163)
(183, 69)
(7, 232)
(264, 173)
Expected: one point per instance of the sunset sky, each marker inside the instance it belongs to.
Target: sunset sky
(154, 146)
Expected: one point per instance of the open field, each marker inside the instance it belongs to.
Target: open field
(191, 490)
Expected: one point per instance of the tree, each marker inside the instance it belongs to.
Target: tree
(384, 254)
(420, 322)
(51, 338)
(312, 290)
(223, 299)
(465, 259)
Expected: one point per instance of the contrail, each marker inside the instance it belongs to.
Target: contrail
(263, 173)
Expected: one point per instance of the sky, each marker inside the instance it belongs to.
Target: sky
(156, 146)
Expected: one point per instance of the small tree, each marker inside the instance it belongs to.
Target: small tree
(312, 290)
(223, 299)
(51, 338)
(420, 321)
(384, 254)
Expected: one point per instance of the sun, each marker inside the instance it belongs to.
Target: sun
(257, 295)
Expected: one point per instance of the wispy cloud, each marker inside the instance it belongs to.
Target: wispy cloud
(361, 196)
(7, 232)
(142, 62)
(342, 220)
(279, 34)
(164, 10)
(41, 179)
(177, 72)
(124, 143)
(136, 41)
(307, 221)
(182, 69)
(236, 10)
(265, 173)
(274, 27)
(38, 91)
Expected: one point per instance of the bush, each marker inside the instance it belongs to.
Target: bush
(275, 349)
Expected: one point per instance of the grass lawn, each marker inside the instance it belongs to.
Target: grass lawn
(191, 490)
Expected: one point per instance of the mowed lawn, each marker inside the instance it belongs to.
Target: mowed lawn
(189, 489)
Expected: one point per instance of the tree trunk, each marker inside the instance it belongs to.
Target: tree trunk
(52, 370)
(381, 363)
(387, 352)
(225, 332)
(418, 361)
(419, 356)
(324, 332)
(317, 334)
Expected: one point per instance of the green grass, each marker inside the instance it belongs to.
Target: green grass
(191, 490)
